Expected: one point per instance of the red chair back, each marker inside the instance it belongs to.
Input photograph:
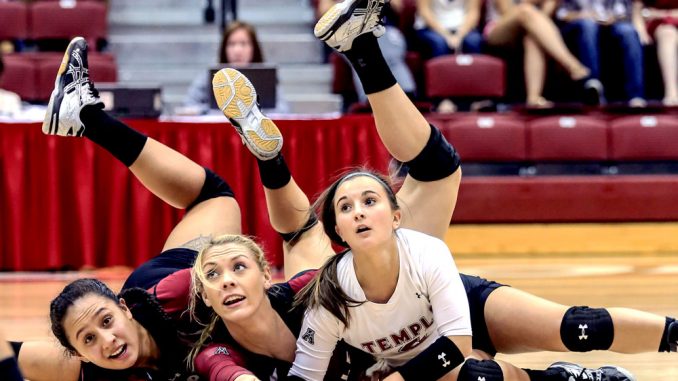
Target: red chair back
(465, 76)
(19, 76)
(567, 138)
(51, 20)
(14, 20)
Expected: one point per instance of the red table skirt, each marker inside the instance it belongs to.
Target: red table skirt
(66, 203)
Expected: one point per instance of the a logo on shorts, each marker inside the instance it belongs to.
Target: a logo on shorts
(309, 336)
(221, 351)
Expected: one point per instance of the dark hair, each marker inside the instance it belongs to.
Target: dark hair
(257, 56)
(325, 202)
(324, 289)
(70, 294)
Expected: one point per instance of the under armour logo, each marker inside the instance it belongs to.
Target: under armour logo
(583, 335)
(480, 378)
(221, 351)
(442, 358)
(309, 336)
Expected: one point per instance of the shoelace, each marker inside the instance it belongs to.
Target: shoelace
(90, 93)
(590, 374)
(585, 374)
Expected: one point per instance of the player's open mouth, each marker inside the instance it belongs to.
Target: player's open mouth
(119, 352)
(362, 229)
(233, 299)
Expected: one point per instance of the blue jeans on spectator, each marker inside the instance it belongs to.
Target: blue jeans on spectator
(437, 45)
(585, 37)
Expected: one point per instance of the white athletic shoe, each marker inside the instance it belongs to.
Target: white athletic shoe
(72, 91)
(347, 20)
(574, 372)
(237, 99)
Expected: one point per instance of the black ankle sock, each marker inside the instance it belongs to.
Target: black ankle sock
(544, 375)
(111, 134)
(669, 336)
(367, 60)
(274, 173)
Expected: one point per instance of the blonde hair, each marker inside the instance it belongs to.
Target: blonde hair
(199, 282)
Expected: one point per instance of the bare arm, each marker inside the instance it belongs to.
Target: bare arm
(41, 360)
(471, 18)
(639, 23)
(549, 7)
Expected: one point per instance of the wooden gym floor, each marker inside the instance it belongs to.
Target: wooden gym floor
(624, 265)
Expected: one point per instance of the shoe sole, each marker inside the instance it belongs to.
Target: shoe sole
(336, 16)
(50, 124)
(236, 98)
(338, 12)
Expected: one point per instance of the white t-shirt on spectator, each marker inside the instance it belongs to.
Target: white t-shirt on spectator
(450, 14)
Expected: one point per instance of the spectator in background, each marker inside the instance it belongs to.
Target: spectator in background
(591, 24)
(662, 26)
(392, 44)
(239, 47)
(449, 26)
(529, 22)
(10, 103)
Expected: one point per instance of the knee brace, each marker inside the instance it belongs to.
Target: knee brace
(474, 370)
(295, 235)
(213, 187)
(585, 329)
(436, 161)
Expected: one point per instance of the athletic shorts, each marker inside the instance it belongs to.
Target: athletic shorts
(477, 292)
(150, 273)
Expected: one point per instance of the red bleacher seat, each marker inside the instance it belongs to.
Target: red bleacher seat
(14, 20)
(507, 199)
(19, 76)
(487, 138)
(102, 69)
(644, 137)
(567, 138)
(49, 20)
(465, 76)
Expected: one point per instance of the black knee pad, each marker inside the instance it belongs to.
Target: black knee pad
(295, 235)
(669, 342)
(213, 187)
(436, 161)
(585, 329)
(474, 370)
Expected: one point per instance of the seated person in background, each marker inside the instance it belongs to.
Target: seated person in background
(662, 26)
(528, 22)
(590, 24)
(449, 26)
(239, 47)
(393, 45)
(10, 103)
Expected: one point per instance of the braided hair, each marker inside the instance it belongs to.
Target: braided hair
(70, 294)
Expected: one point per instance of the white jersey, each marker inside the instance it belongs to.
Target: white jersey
(449, 13)
(429, 301)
